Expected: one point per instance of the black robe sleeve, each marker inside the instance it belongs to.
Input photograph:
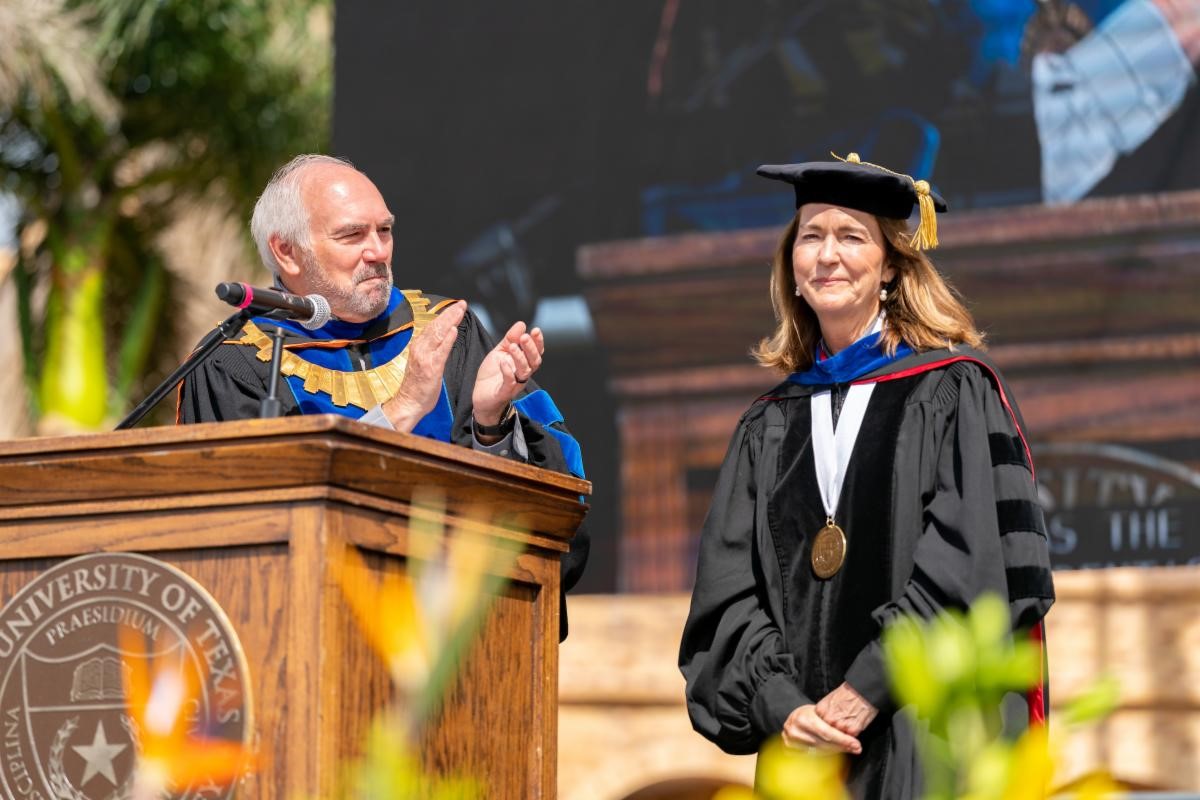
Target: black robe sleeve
(470, 348)
(229, 385)
(983, 530)
(741, 681)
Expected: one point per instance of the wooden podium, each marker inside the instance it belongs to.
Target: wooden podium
(248, 510)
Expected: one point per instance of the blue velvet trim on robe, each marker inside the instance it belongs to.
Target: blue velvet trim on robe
(860, 358)
(437, 424)
(540, 408)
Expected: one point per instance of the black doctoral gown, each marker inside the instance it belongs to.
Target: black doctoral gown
(232, 381)
(938, 506)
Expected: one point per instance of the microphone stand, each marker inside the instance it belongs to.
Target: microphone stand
(210, 342)
(269, 407)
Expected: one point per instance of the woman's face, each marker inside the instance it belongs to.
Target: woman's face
(838, 262)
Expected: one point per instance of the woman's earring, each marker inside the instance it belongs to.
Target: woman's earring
(883, 294)
(797, 292)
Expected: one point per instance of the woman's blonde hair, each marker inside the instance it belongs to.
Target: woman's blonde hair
(923, 310)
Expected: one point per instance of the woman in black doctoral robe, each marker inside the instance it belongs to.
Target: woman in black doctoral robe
(888, 475)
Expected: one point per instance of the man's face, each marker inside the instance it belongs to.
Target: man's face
(350, 235)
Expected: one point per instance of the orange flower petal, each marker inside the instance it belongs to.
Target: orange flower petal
(209, 761)
(136, 673)
(387, 611)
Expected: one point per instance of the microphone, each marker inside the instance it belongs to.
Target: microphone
(311, 311)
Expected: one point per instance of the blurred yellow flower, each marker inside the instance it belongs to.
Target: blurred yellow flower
(787, 773)
(388, 613)
(391, 770)
(1031, 766)
(419, 619)
(169, 757)
(1097, 786)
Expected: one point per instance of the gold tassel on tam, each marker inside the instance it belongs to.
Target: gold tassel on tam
(925, 237)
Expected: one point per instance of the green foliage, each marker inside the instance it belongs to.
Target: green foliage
(73, 381)
(390, 770)
(952, 674)
(1097, 702)
(959, 663)
(121, 111)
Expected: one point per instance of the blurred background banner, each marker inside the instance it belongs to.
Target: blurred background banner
(511, 139)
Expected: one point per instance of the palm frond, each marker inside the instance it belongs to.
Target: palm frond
(49, 45)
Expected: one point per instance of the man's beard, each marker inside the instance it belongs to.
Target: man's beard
(346, 302)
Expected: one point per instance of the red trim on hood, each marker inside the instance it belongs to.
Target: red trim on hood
(1037, 694)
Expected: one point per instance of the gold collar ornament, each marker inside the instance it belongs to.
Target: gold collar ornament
(363, 389)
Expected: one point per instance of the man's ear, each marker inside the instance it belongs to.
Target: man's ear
(287, 255)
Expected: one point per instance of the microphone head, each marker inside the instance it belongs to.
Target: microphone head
(321, 312)
(232, 293)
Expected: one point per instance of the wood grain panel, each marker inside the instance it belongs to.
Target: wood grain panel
(316, 451)
(258, 540)
(266, 432)
(250, 584)
(142, 532)
(477, 732)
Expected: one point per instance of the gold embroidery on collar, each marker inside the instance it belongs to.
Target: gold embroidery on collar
(362, 389)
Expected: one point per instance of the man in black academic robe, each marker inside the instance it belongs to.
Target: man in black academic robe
(398, 359)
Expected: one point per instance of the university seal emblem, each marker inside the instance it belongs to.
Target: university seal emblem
(67, 733)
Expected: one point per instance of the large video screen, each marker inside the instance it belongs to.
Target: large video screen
(506, 135)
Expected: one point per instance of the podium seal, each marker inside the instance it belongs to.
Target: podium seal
(67, 732)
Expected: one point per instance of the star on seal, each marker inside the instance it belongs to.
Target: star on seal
(99, 756)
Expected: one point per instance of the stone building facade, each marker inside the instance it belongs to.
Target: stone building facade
(624, 733)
